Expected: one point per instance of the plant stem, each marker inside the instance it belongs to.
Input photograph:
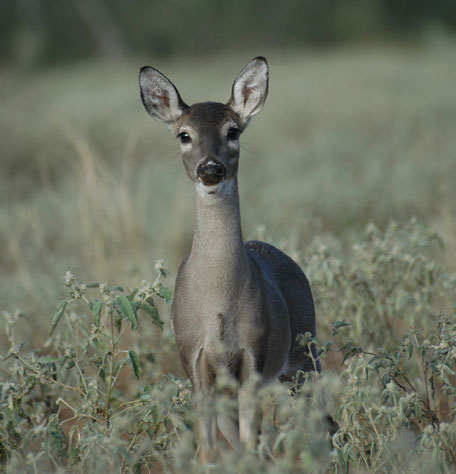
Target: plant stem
(49, 379)
(112, 361)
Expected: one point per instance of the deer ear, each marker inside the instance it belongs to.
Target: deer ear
(250, 89)
(159, 95)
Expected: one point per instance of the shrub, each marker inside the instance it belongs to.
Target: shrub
(94, 399)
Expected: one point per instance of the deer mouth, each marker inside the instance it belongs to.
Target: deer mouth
(209, 186)
(211, 180)
(222, 188)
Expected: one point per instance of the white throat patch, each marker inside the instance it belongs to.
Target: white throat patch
(223, 189)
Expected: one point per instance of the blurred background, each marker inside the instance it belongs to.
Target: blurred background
(359, 127)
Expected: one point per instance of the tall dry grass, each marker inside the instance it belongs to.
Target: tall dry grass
(90, 182)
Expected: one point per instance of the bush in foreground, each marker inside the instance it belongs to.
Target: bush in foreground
(95, 398)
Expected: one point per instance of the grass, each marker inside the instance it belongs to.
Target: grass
(349, 137)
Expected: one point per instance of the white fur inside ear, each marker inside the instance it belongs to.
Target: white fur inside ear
(250, 89)
(159, 96)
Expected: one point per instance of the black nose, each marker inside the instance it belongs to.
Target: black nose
(211, 172)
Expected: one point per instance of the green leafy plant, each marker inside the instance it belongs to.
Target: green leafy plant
(74, 399)
(97, 396)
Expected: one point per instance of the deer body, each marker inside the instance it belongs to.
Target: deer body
(240, 307)
(248, 298)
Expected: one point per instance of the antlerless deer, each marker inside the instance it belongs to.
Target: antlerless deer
(247, 296)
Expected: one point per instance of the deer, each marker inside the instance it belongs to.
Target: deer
(249, 297)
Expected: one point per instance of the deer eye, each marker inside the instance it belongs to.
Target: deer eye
(233, 133)
(184, 137)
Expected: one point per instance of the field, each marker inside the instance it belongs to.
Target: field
(350, 167)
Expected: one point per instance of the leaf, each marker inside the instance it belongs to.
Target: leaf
(341, 324)
(14, 351)
(14, 437)
(100, 345)
(30, 383)
(385, 380)
(166, 293)
(278, 444)
(132, 295)
(410, 350)
(146, 393)
(152, 311)
(96, 306)
(57, 438)
(128, 310)
(102, 368)
(135, 363)
(4, 454)
(447, 368)
(419, 411)
(435, 369)
(74, 455)
(58, 314)
(118, 322)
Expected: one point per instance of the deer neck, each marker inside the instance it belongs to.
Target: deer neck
(217, 242)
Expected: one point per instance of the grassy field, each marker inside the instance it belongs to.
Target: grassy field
(91, 183)
(351, 145)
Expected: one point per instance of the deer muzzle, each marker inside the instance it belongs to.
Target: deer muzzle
(211, 172)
